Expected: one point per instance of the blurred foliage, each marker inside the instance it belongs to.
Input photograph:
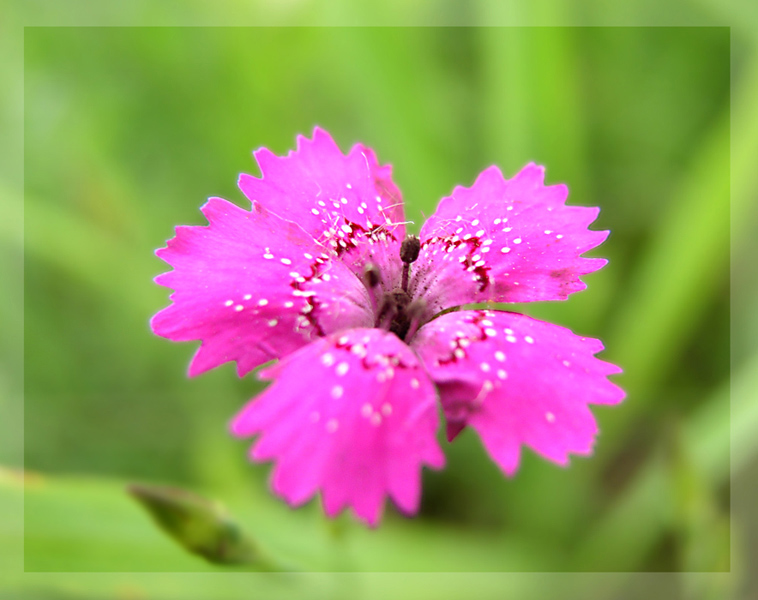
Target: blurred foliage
(202, 526)
(127, 131)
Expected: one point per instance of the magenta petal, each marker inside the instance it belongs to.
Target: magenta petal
(253, 287)
(353, 415)
(346, 202)
(517, 380)
(505, 241)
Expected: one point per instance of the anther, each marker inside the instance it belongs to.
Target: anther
(372, 279)
(410, 249)
(371, 274)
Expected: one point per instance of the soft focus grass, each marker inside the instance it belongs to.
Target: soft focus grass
(127, 131)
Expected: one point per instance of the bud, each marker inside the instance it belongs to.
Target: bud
(201, 526)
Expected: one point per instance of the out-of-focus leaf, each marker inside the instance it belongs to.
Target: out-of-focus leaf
(683, 267)
(697, 515)
(651, 502)
(686, 262)
(78, 524)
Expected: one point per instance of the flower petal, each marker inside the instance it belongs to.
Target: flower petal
(253, 287)
(353, 415)
(347, 202)
(516, 381)
(505, 241)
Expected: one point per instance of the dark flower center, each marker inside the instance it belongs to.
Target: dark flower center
(397, 311)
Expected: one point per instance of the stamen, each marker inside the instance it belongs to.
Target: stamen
(409, 251)
(415, 311)
(372, 276)
(372, 279)
(386, 313)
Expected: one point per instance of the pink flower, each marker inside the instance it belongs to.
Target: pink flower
(321, 275)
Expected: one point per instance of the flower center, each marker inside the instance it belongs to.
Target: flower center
(397, 311)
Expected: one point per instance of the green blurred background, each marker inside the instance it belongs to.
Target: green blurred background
(128, 131)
